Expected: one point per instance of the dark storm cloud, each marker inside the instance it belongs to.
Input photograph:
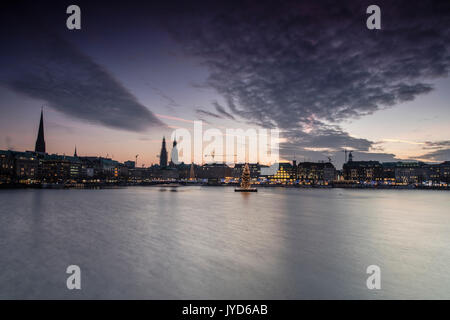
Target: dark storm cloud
(170, 102)
(59, 127)
(331, 137)
(293, 151)
(39, 63)
(375, 156)
(201, 112)
(327, 141)
(221, 110)
(436, 144)
(438, 155)
(441, 150)
(305, 66)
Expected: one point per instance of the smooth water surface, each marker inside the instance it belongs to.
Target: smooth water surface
(212, 243)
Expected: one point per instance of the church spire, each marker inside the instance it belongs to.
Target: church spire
(40, 142)
(174, 154)
(163, 155)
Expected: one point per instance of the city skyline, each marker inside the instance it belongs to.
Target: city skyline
(246, 152)
(166, 158)
(165, 78)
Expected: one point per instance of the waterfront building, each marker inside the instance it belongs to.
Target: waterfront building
(363, 171)
(286, 174)
(165, 174)
(183, 170)
(18, 167)
(404, 172)
(6, 166)
(26, 167)
(214, 171)
(410, 172)
(54, 170)
(255, 170)
(438, 173)
(59, 168)
(102, 169)
(389, 172)
(316, 172)
(130, 164)
(444, 171)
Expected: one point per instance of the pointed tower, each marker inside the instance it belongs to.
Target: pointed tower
(350, 157)
(163, 155)
(174, 154)
(40, 142)
(75, 153)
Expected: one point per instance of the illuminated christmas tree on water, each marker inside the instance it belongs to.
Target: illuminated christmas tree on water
(246, 181)
(191, 173)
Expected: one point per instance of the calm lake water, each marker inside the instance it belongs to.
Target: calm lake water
(213, 243)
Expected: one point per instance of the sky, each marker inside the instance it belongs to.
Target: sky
(137, 70)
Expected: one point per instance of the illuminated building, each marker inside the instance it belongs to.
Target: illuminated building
(316, 172)
(389, 172)
(214, 171)
(410, 172)
(286, 173)
(363, 171)
(438, 173)
(255, 170)
(59, 169)
(18, 167)
(26, 167)
(6, 166)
